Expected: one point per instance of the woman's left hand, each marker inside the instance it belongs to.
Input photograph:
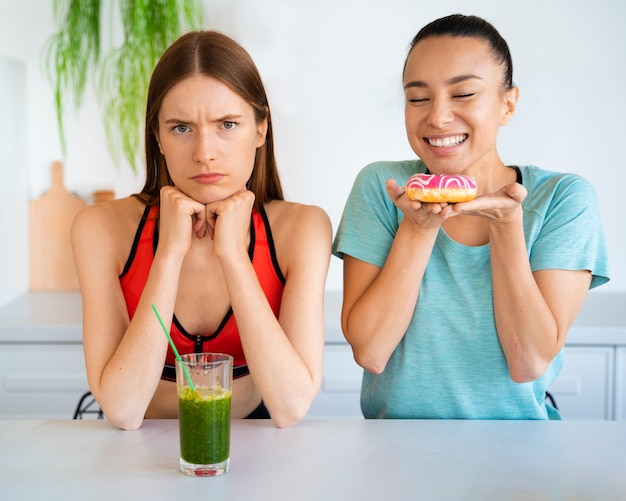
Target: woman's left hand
(502, 207)
(228, 223)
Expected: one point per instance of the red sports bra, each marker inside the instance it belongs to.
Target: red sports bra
(226, 338)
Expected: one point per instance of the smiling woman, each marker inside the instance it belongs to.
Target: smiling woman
(447, 81)
(483, 291)
(248, 283)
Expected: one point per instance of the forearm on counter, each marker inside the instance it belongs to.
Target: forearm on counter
(284, 357)
(526, 326)
(377, 314)
(124, 384)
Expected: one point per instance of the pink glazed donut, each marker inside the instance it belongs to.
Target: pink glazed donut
(434, 188)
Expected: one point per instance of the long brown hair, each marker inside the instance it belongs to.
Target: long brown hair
(216, 55)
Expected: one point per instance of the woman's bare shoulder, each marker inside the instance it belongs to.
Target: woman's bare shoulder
(299, 229)
(283, 214)
(112, 223)
(113, 213)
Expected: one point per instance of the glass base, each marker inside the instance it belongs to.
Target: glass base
(204, 470)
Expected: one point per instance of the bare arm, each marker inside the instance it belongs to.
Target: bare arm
(124, 359)
(533, 311)
(370, 293)
(285, 354)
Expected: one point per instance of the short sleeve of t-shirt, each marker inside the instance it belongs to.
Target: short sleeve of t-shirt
(562, 224)
(370, 219)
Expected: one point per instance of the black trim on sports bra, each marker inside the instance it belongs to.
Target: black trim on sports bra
(133, 249)
(199, 338)
(169, 371)
(270, 242)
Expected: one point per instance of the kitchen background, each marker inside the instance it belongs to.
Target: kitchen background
(332, 69)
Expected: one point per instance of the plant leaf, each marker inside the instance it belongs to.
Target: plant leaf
(73, 53)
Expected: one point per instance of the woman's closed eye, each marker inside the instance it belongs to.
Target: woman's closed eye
(464, 92)
(465, 96)
(417, 100)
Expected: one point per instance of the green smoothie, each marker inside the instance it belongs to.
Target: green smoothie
(204, 420)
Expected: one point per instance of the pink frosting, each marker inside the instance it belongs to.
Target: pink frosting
(430, 181)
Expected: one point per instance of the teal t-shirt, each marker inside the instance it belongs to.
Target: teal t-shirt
(449, 364)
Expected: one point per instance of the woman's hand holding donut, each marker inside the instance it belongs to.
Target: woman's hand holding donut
(501, 207)
(424, 215)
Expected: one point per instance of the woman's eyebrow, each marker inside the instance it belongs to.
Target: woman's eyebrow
(222, 118)
(454, 80)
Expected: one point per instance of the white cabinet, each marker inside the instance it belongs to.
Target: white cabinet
(43, 381)
(42, 368)
(591, 385)
(42, 373)
(340, 393)
(620, 384)
(584, 388)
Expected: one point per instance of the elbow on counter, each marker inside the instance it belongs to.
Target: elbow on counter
(125, 417)
(370, 359)
(526, 373)
(290, 414)
(124, 422)
(130, 425)
(285, 421)
(375, 365)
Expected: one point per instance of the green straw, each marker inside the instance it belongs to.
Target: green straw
(167, 334)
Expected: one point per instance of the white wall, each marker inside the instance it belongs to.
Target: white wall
(332, 70)
(14, 176)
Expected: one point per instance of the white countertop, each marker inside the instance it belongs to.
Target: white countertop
(321, 460)
(38, 317)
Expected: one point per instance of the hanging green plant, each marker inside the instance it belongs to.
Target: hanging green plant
(73, 55)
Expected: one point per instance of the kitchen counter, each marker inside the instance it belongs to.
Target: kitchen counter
(42, 317)
(321, 459)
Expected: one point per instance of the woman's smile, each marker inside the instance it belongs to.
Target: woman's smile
(446, 142)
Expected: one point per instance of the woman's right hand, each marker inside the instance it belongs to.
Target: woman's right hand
(423, 215)
(180, 215)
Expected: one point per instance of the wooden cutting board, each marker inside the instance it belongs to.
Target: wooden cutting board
(51, 216)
